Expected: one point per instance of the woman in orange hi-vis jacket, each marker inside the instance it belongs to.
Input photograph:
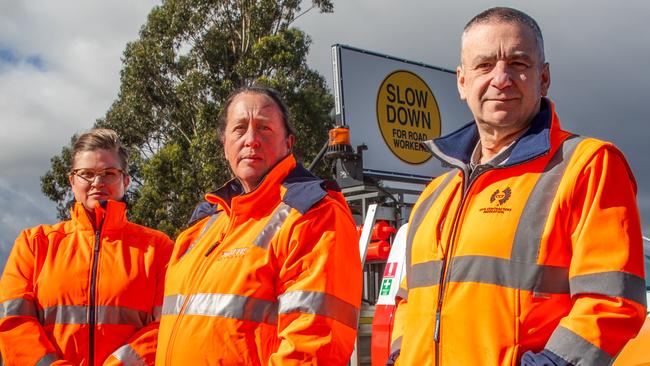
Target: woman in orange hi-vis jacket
(269, 273)
(86, 291)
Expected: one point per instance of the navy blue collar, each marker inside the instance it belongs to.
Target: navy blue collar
(303, 190)
(456, 148)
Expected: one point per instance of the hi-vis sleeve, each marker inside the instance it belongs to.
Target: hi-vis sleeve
(23, 340)
(401, 301)
(320, 288)
(606, 275)
(140, 350)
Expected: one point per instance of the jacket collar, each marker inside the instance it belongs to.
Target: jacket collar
(232, 199)
(113, 216)
(456, 148)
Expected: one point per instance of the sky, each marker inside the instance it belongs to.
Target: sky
(60, 63)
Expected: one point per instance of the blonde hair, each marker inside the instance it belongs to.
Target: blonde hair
(105, 139)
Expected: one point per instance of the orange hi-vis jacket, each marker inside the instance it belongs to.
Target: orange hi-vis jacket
(540, 254)
(71, 295)
(271, 277)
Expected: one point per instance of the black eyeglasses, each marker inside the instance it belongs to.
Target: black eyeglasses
(108, 176)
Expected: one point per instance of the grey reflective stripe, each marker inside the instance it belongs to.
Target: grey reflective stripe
(157, 312)
(416, 220)
(319, 303)
(614, 284)
(47, 359)
(272, 226)
(576, 350)
(78, 314)
(121, 315)
(528, 236)
(128, 356)
(425, 274)
(396, 345)
(205, 228)
(511, 274)
(223, 305)
(65, 314)
(18, 307)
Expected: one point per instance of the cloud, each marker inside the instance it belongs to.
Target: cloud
(21, 210)
(60, 63)
(599, 79)
(59, 72)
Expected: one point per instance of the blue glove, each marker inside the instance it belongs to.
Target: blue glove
(392, 358)
(544, 358)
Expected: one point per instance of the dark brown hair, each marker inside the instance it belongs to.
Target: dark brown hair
(255, 89)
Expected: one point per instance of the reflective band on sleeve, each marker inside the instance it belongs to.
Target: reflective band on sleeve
(528, 236)
(319, 303)
(614, 284)
(511, 274)
(78, 314)
(416, 220)
(157, 312)
(48, 359)
(272, 226)
(223, 305)
(576, 350)
(425, 274)
(18, 307)
(128, 356)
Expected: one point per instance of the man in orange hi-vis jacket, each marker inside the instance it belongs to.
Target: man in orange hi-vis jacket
(89, 290)
(269, 272)
(529, 251)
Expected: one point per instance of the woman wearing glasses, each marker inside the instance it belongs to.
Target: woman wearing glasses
(87, 291)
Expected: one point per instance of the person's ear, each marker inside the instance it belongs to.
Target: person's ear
(460, 82)
(126, 181)
(291, 139)
(545, 79)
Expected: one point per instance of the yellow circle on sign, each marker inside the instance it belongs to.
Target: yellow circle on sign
(407, 114)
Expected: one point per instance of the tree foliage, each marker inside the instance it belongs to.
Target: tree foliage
(190, 55)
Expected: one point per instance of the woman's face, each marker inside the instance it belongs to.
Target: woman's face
(97, 176)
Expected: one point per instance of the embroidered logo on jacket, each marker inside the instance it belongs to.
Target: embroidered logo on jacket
(232, 253)
(497, 200)
(500, 197)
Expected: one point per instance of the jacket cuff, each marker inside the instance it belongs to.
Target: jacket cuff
(576, 350)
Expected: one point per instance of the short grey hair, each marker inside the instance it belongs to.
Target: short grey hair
(508, 15)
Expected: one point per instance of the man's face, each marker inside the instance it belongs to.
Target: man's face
(97, 176)
(255, 138)
(502, 76)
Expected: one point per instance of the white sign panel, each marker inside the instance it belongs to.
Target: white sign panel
(395, 269)
(391, 105)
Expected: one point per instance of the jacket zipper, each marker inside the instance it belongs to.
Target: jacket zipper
(201, 272)
(93, 292)
(446, 267)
